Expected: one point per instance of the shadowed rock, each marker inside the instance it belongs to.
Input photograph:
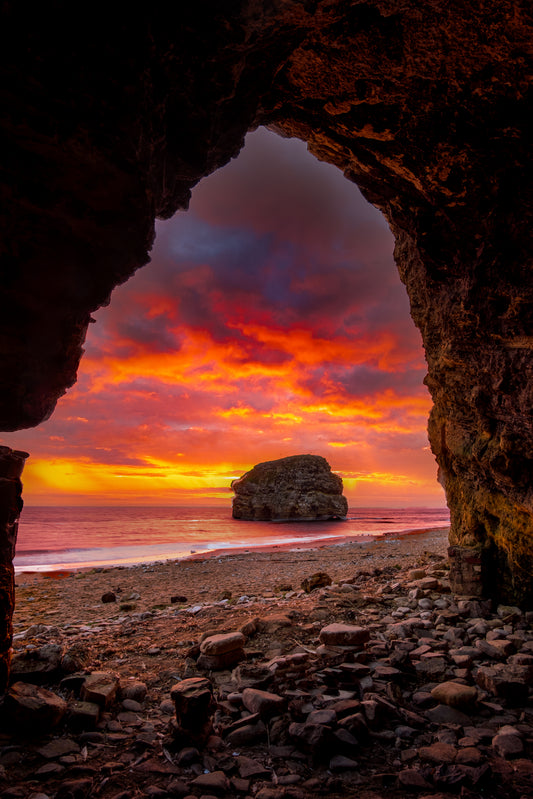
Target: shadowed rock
(33, 708)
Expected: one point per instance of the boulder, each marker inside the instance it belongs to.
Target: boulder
(33, 708)
(193, 700)
(300, 487)
(221, 651)
(338, 634)
(100, 688)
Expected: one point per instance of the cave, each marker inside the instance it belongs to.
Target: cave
(109, 122)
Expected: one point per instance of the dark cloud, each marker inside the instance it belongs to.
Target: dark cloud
(276, 238)
(364, 381)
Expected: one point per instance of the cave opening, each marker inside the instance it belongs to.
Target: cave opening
(426, 109)
(270, 321)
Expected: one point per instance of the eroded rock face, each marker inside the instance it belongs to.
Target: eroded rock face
(300, 487)
(426, 108)
(11, 466)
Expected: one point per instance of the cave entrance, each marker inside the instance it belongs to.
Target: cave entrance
(271, 321)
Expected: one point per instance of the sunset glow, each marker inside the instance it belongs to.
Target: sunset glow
(270, 322)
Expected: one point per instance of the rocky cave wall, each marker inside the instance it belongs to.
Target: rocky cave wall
(108, 123)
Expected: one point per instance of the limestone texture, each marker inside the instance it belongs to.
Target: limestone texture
(300, 487)
(426, 107)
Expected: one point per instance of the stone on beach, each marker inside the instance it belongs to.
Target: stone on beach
(455, 694)
(100, 687)
(507, 742)
(132, 689)
(222, 643)
(193, 701)
(317, 580)
(221, 651)
(300, 717)
(338, 634)
(214, 781)
(37, 666)
(83, 715)
(438, 753)
(262, 702)
(509, 682)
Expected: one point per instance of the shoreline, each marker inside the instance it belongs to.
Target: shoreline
(65, 595)
(317, 543)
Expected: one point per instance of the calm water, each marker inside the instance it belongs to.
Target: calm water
(69, 537)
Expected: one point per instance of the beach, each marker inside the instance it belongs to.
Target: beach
(65, 595)
(328, 691)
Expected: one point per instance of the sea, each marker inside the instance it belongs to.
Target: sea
(55, 538)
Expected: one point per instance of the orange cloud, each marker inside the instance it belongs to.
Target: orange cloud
(271, 321)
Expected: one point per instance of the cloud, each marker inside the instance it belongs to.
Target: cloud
(270, 321)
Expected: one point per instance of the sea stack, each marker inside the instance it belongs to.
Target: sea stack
(297, 488)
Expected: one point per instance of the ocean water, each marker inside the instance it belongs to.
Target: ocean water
(53, 538)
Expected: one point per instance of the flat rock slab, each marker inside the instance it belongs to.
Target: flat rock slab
(344, 635)
(248, 767)
(58, 748)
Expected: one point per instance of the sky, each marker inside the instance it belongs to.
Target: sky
(271, 321)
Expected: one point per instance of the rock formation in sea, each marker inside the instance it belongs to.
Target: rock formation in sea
(300, 487)
(426, 107)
